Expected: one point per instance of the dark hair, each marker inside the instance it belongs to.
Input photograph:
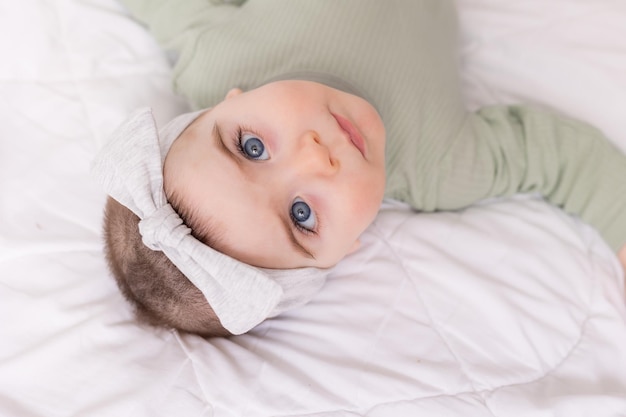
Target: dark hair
(160, 294)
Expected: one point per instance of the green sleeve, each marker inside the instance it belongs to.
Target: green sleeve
(504, 150)
(176, 22)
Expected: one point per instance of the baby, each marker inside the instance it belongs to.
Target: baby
(231, 214)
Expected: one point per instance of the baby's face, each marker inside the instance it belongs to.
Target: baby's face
(288, 175)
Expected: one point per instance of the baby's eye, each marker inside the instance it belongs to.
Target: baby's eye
(252, 147)
(302, 216)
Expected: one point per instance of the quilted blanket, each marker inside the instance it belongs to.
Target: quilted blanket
(508, 308)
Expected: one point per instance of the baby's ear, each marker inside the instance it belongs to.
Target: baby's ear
(233, 92)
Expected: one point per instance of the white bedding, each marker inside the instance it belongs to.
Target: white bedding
(509, 308)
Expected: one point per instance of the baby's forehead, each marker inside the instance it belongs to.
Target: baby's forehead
(199, 124)
(173, 130)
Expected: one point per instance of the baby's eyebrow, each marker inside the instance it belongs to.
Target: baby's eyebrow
(221, 146)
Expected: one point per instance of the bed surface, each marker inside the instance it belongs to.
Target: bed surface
(508, 308)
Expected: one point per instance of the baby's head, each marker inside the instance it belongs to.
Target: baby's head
(284, 176)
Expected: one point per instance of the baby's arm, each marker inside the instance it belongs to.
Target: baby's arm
(503, 150)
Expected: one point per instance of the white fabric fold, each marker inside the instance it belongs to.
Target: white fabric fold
(130, 168)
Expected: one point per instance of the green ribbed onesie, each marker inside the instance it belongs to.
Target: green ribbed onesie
(401, 56)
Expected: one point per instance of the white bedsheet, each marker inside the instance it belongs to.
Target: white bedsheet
(509, 308)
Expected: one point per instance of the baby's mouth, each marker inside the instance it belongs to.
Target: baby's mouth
(353, 133)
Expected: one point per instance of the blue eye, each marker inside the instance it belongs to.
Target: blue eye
(252, 147)
(302, 215)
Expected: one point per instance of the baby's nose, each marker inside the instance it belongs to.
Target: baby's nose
(314, 157)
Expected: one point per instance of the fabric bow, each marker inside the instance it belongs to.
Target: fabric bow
(130, 168)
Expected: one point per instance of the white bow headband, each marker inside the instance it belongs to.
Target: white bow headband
(130, 168)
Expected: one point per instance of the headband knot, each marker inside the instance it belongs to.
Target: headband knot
(163, 227)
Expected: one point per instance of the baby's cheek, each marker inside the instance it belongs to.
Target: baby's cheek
(374, 190)
(366, 203)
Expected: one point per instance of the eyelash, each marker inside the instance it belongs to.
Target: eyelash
(237, 138)
(303, 229)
